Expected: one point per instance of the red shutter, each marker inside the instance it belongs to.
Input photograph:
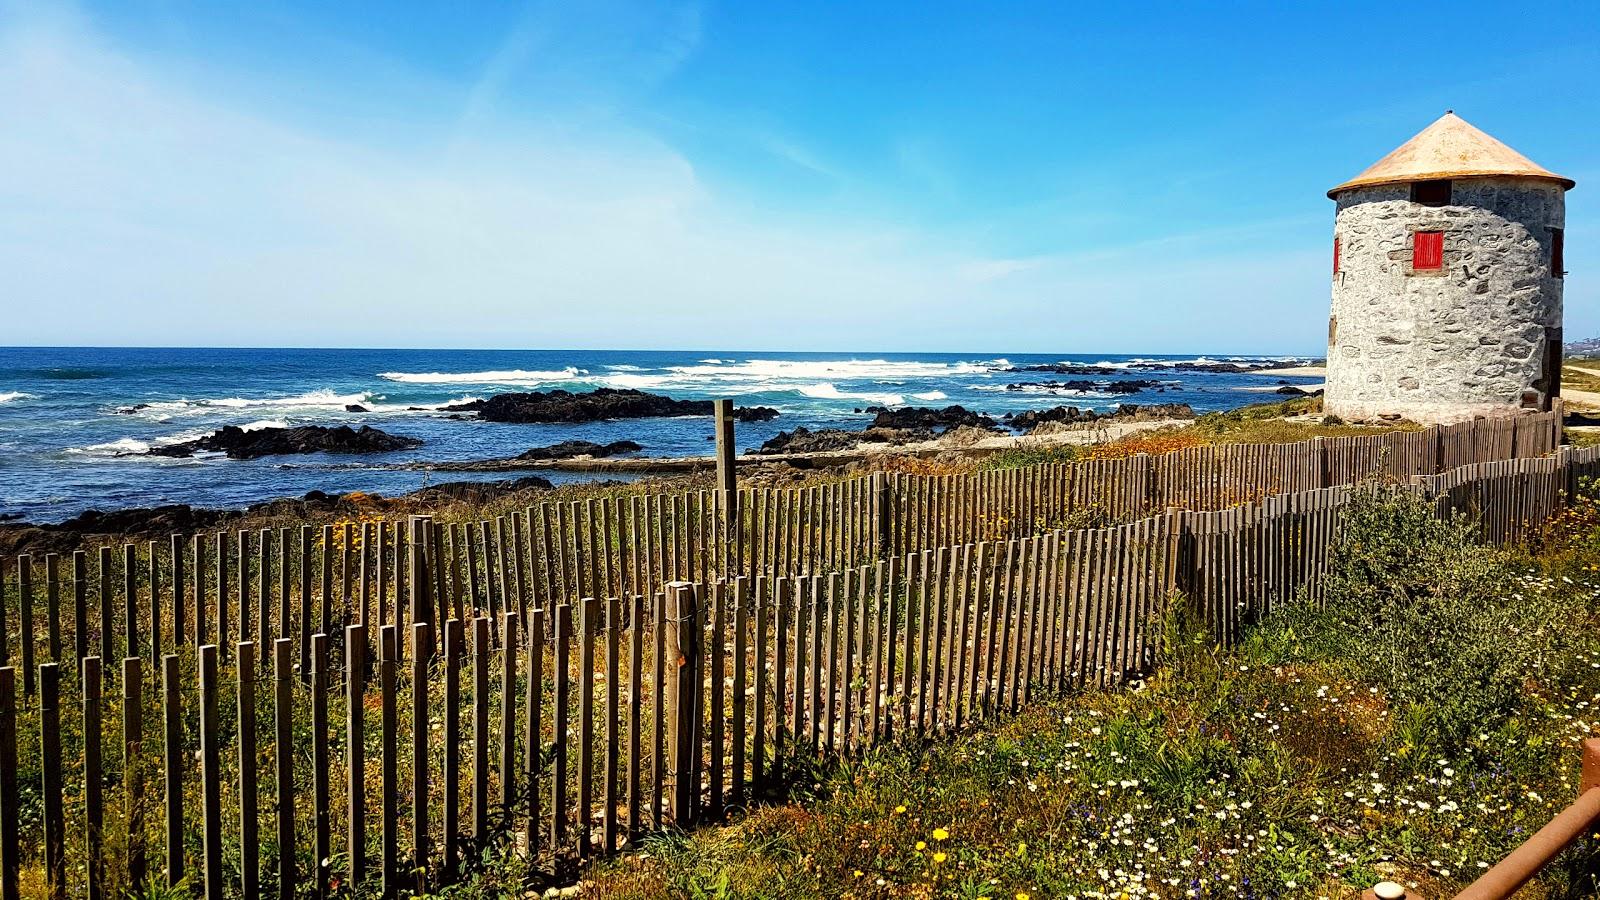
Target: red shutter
(1336, 255)
(1427, 250)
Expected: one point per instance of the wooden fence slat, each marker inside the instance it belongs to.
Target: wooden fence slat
(249, 843)
(10, 795)
(210, 773)
(480, 730)
(683, 648)
(389, 727)
(611, 765)
(355, 740)
(590, 614)
(452, 752)
(421, 662)
(635, 708)
(283, 756)
(173, 757)
(50, 765)
(90, 682)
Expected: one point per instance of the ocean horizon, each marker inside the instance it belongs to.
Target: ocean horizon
(76, 422)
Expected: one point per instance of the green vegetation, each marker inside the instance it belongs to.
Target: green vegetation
(1276, 423)
(1029, 452)
(1419, 727)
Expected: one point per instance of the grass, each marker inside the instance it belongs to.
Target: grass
(1334, 748)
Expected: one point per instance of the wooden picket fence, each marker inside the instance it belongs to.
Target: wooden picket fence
(474, 701)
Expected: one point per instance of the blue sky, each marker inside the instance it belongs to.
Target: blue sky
(939, 176)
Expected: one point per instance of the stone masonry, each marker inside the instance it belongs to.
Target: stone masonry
(1448, 344)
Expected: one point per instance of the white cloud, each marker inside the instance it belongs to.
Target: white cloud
(138, 208)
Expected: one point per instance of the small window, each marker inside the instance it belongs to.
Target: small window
(1336, 254)
(1558, 253)
(1431, 193)
(1427, 250)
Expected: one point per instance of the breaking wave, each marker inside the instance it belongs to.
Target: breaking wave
(826, 391)
(9, 396)
(508, 376)
(162, 410)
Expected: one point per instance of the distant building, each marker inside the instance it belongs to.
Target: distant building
(1447, 277)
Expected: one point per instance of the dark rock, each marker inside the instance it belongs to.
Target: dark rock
(828, 440)
(1151, 412)
(570, 449)
(594, 406)
(355, 407)
(1064, 369)
(1294, 391)
(176, 518)
(804, 440)
(481, 491)
(1126, 412)
(917, 417)
(1215, 368)
(241, 444)
(1132, 386)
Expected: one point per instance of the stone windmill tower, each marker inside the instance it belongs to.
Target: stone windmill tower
(1447, 277)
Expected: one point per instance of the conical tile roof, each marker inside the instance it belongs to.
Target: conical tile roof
(1449, 148)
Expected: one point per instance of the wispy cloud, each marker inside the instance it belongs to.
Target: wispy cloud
(137, 207)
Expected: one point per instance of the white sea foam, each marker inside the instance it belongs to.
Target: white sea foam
(263, 423)
(415, 407)
(826, 391)
(129, 446)
(509, 376)
(791, 374)
(1253, 362)
(8, 396)
(931, 395)
(120, 447)
(323, 400)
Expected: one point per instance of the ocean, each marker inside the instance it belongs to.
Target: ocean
(74, 422)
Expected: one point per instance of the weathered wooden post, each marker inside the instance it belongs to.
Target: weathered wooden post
(682, 654)
(727, 486)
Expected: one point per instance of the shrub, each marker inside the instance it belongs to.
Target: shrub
(1457, 632)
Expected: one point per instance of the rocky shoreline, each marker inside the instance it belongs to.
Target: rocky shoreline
(600, 404)
(255, 443)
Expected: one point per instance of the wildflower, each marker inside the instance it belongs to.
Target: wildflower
(939, 834)
(922, 845)
(901, 808)
(938, 857)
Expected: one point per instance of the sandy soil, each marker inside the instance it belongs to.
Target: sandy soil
(1590, 399)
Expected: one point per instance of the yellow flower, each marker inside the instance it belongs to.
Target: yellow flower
(1022, 895)
(900, 809)
(940, 834)
(858, 873)
(938, 857)
(922, 845)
